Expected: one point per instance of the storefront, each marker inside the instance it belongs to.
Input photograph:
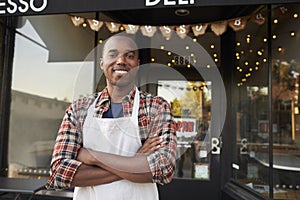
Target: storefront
(230, 70)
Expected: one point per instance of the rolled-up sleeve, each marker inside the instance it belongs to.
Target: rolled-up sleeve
(162, 162)
(68, 142)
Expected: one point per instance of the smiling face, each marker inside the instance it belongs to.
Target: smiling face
(120, 61)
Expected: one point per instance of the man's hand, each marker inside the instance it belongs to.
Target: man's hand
(86, 157)
(152, 144)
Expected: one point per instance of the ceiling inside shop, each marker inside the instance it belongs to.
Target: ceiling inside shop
(190, 15)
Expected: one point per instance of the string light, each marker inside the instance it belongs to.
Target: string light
(215, 55)
(162, 47)
(121, 28)
(212, 46)
(169, 64)
(279, 49)
(169, 53)
(194, 39)
(216, 60)
(208, 66)
(84, 25)
(292, 33)
(259, 53)
(100, 41)
(188, 65)
(295, 15)
(246, 63)
(274, 36)
(265, 40)
(187, 47)
(152, 59)
(265, 60)
(238, 44)
(275, 21)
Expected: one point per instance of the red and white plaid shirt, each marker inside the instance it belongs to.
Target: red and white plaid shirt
(155, 118)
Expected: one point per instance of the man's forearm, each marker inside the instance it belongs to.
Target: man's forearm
(88, 175)
(135, 169)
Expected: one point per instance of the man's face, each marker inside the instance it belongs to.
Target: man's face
(120, 61)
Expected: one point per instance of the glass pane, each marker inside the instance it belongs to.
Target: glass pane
(191, 107)
(46, 65)
(250, 165)
(285, 101)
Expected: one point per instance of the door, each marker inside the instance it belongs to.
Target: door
(189, 79)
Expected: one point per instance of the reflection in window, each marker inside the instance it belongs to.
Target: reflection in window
(191, 107)
(42, 88)
(253, 130)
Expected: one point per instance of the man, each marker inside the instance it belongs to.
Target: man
(116, 144)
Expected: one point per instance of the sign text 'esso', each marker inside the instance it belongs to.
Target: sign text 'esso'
(22, 6)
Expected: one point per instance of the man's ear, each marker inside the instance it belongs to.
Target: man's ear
(101, 63)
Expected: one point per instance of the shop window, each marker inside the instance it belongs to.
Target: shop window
(255, 127)
(191, 107)
(48, 63)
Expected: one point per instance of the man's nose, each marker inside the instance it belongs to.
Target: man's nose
(121, 59)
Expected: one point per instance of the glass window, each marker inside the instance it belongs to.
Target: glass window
(46, 67)
(191, 107)
(285, 101)
(255, 136)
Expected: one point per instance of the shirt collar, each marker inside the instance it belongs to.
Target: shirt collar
(104, 98)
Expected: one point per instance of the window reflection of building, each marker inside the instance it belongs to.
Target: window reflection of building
(33, 128)
(255, 127)
(192, 116)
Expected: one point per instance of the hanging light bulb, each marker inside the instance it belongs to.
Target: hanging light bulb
(292, 33)
(295, 15)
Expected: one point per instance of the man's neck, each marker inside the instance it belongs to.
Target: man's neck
(117, 93)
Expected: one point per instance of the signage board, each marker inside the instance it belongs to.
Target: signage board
(41, 7)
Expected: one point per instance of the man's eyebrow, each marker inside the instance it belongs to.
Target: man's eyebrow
(127, 51)
(112, 50)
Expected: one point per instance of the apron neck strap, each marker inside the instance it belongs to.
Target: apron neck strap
(136, 103)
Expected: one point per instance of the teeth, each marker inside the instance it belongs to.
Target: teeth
(121, 71)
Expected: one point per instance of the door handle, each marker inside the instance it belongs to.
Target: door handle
(215, 145)
(244, 146)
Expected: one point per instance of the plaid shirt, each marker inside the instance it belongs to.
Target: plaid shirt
(154, 118)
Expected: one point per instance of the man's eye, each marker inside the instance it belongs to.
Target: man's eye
(130, 56)
(112, 55)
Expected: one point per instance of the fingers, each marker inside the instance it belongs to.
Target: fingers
(151, 144)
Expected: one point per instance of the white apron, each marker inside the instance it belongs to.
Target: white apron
(118, 136)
